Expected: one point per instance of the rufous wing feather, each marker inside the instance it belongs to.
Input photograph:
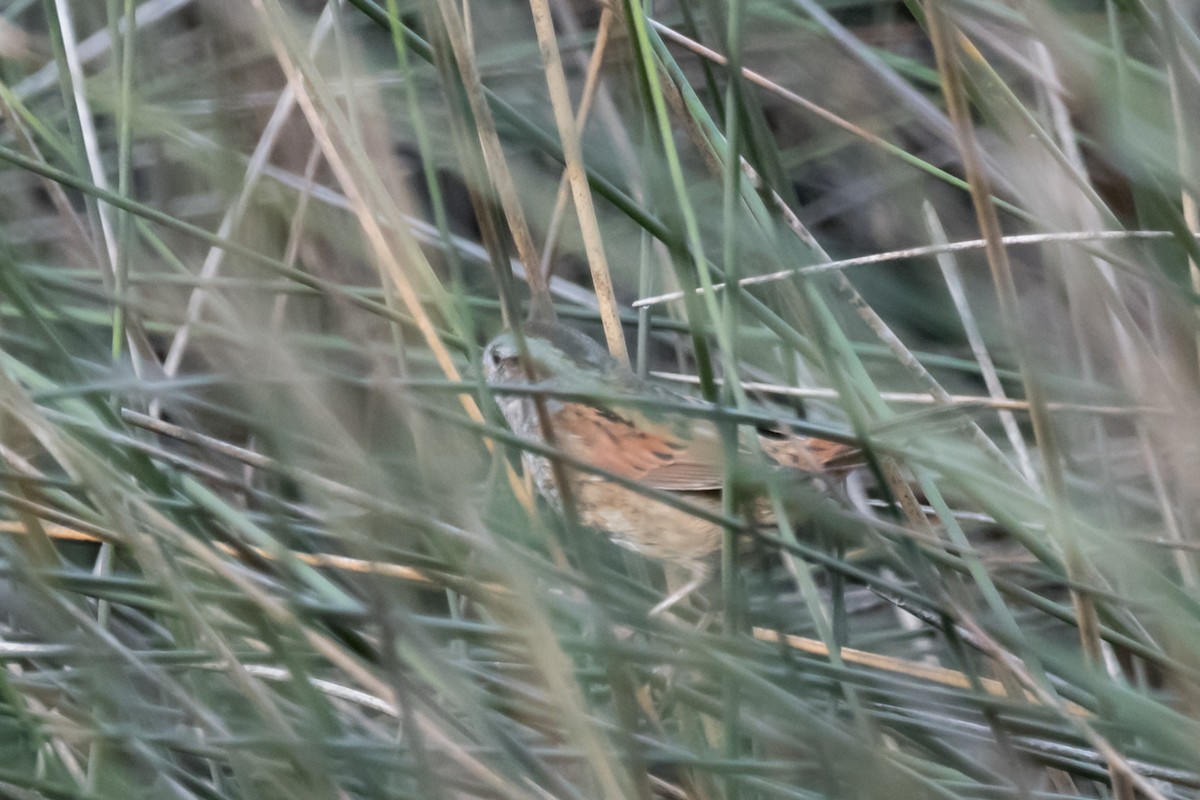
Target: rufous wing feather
(690, 459)
(810, 453)
(629, 446)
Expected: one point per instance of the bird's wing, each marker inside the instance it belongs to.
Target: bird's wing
(687, 456)
(810, 453)
(629, 445)
(699, 463)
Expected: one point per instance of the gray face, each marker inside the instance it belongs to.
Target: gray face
(554, 351)
(500, 361)
(502, 365)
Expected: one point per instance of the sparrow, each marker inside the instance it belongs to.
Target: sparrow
(663, 450)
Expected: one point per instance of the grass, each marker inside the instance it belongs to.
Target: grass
(263, 532)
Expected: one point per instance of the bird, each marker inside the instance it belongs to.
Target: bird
(661, 449)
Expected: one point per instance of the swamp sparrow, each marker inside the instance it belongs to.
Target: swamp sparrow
(660, 449)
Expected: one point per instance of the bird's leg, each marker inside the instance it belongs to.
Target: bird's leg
(696, 574)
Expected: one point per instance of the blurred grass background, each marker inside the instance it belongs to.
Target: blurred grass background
(264, 535)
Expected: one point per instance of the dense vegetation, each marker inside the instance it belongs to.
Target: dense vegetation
(264, 534)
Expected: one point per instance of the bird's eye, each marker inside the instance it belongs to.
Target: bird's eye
(497, 359)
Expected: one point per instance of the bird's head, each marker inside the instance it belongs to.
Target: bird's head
(555, 352)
